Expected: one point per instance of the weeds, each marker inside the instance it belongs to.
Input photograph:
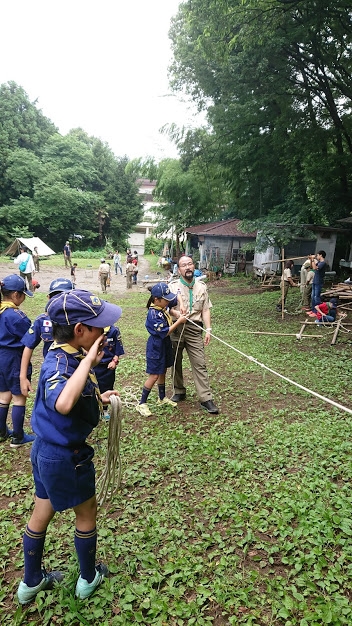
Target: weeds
(240, 518)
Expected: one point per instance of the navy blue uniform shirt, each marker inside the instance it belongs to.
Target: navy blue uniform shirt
(41, 330)
(64, 430)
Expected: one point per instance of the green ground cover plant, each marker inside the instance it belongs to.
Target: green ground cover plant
(238, 518)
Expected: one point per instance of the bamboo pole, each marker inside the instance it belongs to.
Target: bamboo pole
(258, 332)
(282, 284)
(294, 258)
(301, 331)
(333, 340)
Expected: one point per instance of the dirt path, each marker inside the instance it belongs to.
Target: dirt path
(86, 276)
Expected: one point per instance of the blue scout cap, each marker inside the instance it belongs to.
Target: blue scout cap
(15, 283)
(72, 307)
(60, 284)
(334, 301)
(161, 290)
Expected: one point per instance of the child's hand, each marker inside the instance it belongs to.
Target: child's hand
(105, 397)
(183, 318)
(26, 387)
(183, 309)
(95, 353)
(112, 365)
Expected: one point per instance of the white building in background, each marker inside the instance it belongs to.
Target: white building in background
(145, 228)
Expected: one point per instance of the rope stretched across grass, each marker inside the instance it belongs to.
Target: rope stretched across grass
(269, 369)
(110, 480)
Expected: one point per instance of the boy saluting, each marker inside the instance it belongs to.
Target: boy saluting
(67, 408)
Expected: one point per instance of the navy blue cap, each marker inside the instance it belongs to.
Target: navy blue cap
(60, 284)
(15, 283)
(161, 290)
(334, 301)
(72, 307)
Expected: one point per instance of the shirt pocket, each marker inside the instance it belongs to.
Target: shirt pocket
(198, 303)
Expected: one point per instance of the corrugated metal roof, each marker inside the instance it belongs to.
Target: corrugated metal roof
(225, 228)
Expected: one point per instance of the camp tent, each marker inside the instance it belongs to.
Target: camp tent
(14, 248)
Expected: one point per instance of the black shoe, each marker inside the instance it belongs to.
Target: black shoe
(178, 397)
(209, 406)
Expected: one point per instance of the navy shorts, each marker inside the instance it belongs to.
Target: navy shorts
(159, 360)
(10, 365)
(105, 378)
(64, 476)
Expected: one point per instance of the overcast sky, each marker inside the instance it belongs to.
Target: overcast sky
(99, 65)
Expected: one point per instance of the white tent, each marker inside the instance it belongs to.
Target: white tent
(14, 248)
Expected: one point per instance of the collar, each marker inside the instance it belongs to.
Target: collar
(7, 305)
(66, 347)
(186, 283)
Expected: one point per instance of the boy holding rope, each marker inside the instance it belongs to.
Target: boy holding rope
(67, 408)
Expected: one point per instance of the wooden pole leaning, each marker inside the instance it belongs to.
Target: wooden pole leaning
(282, 284)
(334, 337)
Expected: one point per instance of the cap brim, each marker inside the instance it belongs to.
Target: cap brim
(169, 296)
(107, 317)
(28, 293)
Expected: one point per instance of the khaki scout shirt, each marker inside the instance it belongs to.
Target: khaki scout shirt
(201, 300)
(104, 268)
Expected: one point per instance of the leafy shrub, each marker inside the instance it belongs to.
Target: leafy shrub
(88, 254)
(153, 245)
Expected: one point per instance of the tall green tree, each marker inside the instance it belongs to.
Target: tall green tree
(53, 185)
(275, 79)
(184, 198)
(22, 126)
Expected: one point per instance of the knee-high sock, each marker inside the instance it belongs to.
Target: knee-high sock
(18, 413)
(161, 390)
(33, 546)
(145, 394)
(4, 409)
(86, 547)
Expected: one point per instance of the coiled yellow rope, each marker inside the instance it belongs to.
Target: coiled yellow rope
(110, 480)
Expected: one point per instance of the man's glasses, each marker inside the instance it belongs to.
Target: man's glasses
(187, 264)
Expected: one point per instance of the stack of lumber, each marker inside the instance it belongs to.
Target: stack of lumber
(343, 291)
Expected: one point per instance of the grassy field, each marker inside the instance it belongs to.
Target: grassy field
(240, 518)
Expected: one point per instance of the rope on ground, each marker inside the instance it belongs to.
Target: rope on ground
(128, 397)
(292, 382)
(110, 480)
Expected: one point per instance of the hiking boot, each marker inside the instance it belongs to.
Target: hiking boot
(209, 406)
(85, 589)
(25, 594)
(143, 410)
(178, 397)
(16, 442)
(167, 402)
(6, 434)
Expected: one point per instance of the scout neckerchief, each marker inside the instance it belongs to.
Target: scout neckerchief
(190, 287)
(7, 305)
(66, 347)
(166, 313)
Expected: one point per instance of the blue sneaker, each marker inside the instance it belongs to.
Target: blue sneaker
(85, 589)
(26, 594)
(17, 443)
(6, 434)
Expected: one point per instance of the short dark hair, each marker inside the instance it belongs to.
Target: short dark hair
(322, 253)
(4, 293)
(63, 333)
(189, 256)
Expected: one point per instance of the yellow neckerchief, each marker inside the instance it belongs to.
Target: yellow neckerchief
(166, 313)
(7, 305)
(66, 347)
